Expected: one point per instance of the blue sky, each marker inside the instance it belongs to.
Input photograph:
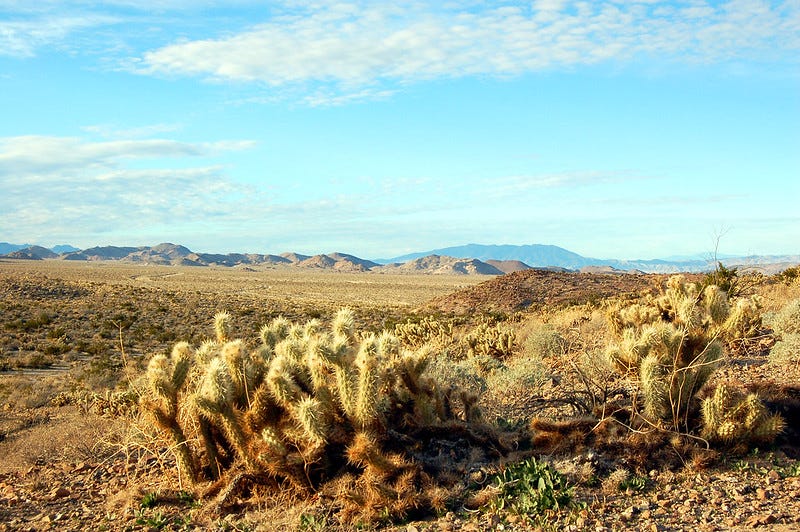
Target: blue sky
(625, 129)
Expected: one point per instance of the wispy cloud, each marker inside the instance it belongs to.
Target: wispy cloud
(66, 186)
(22, 38)
(368, 46)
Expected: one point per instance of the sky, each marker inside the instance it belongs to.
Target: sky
(616, 129)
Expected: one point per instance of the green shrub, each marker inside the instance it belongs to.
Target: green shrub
(790, 275)
(530, 488)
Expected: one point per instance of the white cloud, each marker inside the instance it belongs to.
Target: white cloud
(355, 47)
(46, 157)
(65, 187)
(21, 38)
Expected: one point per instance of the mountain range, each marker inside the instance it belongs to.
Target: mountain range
(471, 259)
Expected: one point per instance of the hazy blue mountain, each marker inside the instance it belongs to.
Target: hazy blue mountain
(543, 256)
(6, 248)
(534, 255)
(64, 248)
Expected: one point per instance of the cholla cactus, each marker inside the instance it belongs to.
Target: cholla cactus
(670, 345)
(427, 330)
(497, 341)
(730, 416)
(166, 377)
(303, 404)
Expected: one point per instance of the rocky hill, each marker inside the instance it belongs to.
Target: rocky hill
(437, 264)
(177, 255)
(519, 290)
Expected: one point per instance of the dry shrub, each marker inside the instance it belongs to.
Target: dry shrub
(53, 435)
(787, 319)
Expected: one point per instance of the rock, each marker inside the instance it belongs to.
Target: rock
(81, 467)
(59, 493)
(761, 520)
(627, 514)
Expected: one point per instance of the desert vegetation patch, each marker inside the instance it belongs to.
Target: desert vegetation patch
(171, 398)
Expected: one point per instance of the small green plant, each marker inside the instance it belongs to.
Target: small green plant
(725, 278)
(635, 483)
(531, 488)
(155, 520)
(792, 470)
(312, 522)
(150, 500)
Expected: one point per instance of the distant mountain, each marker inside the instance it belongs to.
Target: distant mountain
(101, 253)
(438, 264)
(534, 255)
(547, 256)
(64, 248)
(32, 253)
(295, 257)
(6, 248)
(471, 259)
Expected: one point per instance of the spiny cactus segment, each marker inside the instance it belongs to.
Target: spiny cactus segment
(731, 416)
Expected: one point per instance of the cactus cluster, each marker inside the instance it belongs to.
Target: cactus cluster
(730, 416)
(309, 405)
(427, 330)
(494, 341)
(672, 344)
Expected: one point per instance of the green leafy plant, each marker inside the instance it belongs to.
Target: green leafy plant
(150, 500)
(635, 483)
(531, 488)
